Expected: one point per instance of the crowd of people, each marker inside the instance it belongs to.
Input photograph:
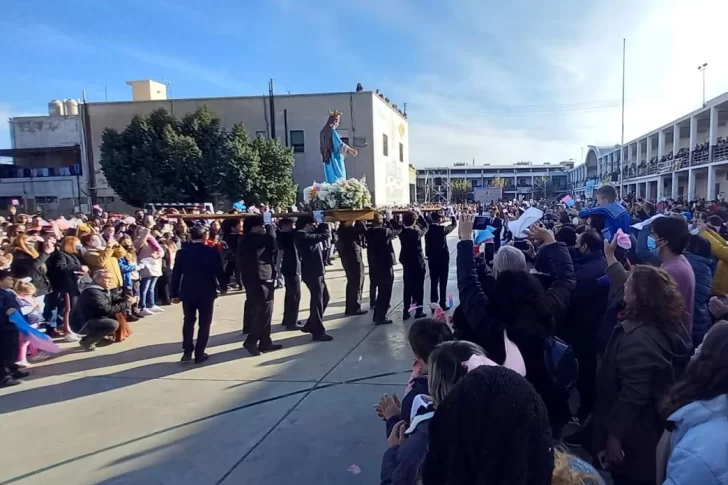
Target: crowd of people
(621, 303)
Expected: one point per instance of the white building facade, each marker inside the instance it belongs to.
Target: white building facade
(46, 173)
(687, 158)
(524, 180)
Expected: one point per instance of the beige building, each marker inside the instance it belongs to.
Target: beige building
(370, 123)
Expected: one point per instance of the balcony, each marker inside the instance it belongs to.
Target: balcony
(720, 151)
(17, 172)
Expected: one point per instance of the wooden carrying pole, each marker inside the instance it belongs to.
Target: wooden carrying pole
(332, 214)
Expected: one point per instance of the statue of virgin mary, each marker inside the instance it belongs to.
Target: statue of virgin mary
(333, 150)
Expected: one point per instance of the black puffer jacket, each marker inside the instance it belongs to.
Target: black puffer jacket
(26, 266)
(63, 269)
(95, 302)
(527, 327)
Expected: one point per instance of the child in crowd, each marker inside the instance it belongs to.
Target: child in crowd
(424, 335)
(610, 215)
(25, 293)
(130, 269)
(9, 335)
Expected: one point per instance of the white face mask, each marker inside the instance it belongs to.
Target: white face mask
(94, 243)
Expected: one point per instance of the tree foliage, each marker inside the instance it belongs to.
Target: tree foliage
(195, 159)
(460, 190)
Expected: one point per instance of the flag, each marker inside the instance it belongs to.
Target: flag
(37, 338)
(568, 201)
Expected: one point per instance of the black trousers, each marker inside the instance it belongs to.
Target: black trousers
(247, 313)
(497, 240)
(319, 302)
(438, 280)
(231, 268)
(98, 328)
(50, 305)
(260, 306)
(196, 310)
(414, 286)
(383, 280)
(163, 287)
(9, 346)
(354, 271)
(292, 300)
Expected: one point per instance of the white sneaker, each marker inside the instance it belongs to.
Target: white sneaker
(71, 337)
(41, 356)
(23, 364)
(157, 309)
(146, 312)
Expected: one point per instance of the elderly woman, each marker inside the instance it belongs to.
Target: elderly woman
(516, 302)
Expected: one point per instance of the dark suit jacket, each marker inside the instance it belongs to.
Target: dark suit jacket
(291, 263)
(197, 273)
(256, 255)
(410, 254)
(309, 249)
(380, 251)
(350, 241)
(436, 242)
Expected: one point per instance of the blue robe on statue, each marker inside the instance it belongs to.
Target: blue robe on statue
(335, 169)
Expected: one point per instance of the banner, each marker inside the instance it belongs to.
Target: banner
(487, 195)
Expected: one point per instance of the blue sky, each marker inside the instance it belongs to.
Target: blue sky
(493, 81)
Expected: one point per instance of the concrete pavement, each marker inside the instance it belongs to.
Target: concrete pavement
(130, 413)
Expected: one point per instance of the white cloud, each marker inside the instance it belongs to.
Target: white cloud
(559, 71)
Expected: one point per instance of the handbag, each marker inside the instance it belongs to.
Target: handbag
(124, 330)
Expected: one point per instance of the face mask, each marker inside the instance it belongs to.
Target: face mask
(79, 246)
(651, 244)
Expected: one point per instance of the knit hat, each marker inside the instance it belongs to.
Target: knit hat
(493, 429)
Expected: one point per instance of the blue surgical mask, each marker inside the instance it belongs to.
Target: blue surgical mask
(651, 244)
(79, 246)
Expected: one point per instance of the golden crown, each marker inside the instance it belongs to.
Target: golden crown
(335, 112)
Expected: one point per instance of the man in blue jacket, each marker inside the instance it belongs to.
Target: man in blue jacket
(611, 212)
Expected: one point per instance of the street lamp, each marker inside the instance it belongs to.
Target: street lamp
(702, 70)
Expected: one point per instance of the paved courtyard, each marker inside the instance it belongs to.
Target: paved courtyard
(130, 413)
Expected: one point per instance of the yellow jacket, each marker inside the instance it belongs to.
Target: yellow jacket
(719, 248)
(108, 259)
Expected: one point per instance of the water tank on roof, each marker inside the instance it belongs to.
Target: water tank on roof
(71, 107)
(56, 108)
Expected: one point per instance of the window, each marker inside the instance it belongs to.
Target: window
(261, 133)
(401, 152)
(297, 141)
(385, 145)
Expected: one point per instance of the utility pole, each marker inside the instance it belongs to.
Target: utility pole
(621, 144)
(702, 70)
(272, 109)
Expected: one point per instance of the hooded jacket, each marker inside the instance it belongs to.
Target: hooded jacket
(699, 444)
(400, 464)
(719, 248)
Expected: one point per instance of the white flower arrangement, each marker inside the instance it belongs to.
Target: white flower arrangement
(344, 194)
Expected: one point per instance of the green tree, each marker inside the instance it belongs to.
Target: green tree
(460, 190)
(240, 166)
(158, 157)
(275, 172)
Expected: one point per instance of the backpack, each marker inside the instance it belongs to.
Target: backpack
(561, 363)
